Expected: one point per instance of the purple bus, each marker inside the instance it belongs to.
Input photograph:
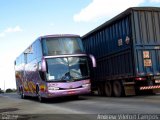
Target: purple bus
(54, 66)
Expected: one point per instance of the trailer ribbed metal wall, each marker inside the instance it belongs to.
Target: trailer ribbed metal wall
(118, 44)
(146, 37)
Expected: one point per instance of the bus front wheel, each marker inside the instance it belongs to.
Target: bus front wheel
(22, 94)
(40, 98)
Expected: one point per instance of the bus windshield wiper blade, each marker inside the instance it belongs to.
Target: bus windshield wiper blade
(65, 76)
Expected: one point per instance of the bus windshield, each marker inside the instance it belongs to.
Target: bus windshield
(58, 46)
(66, 69)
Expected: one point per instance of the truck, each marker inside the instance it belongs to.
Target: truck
(127, 51)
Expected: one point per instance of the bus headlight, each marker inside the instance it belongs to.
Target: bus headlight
(53, 88)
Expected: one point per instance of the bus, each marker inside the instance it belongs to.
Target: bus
(54, 66)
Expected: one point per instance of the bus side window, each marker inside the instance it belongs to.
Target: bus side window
(41, 73)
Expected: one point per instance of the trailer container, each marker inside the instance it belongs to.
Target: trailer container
(127, 49)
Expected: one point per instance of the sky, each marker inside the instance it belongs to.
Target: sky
(22, 21)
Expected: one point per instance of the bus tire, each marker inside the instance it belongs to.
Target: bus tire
(108, 89)
(22, 94)
(118, 89)
(40, 98)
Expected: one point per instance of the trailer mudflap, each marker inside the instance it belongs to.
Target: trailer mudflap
(129, 88)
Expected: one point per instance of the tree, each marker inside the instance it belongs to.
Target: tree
(1, 91)
(9, 90)
(14, 90)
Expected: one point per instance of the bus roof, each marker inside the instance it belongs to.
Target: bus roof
(59, 35)
(53, 35)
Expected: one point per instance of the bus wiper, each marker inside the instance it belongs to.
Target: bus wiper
(66, 77)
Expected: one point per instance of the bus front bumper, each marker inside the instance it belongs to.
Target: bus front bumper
(68, 92)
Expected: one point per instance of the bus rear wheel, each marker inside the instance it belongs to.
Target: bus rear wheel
(118, 89)
(108, 89)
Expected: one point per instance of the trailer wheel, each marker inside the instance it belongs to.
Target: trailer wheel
(118, 89)
(108, 89)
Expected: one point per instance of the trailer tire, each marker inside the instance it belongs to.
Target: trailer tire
(118, 89)
(108, 89)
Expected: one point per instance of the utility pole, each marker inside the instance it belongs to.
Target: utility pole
(4, 86)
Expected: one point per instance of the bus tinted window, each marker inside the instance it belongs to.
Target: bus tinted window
(69, 68)
(57, 68)
(57, 46)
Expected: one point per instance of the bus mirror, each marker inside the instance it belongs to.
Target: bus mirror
(42, 75)
(29, 50)
(43, 67)
(93, 60)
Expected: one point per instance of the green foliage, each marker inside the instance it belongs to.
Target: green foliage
(9, 90)
(14, 90)
(1, 91)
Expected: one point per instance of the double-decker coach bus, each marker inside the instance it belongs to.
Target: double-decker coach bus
(53, 66)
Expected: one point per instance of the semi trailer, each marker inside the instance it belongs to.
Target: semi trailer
(127, 51)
